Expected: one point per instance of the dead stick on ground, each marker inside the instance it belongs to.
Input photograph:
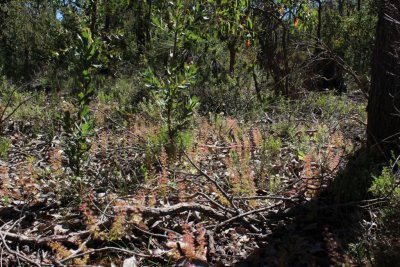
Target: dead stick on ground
(240, 216)
(44, 240)
(244, 215)
(146, 211)
(179, 208)
(15, 253)
(103, 249)
(210, 200)
(212, 181)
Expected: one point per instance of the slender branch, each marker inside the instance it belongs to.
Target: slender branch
(244, 215)
(17, 254)
(8, 104)
(212, 181)
(177, 209)
(211, 200)
(264, 197)
(44, 240)
(103, 249)
(14, 110)
(149, 233)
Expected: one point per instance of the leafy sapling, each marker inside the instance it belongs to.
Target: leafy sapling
(173, 104)
(79, 127)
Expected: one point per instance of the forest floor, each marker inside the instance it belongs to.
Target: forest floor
(288, 188)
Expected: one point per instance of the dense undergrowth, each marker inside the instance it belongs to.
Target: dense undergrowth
(231, 187)
(191, 133)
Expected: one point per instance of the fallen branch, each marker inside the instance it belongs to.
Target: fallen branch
(91, 251)
(244, 215)
(212, 181)
(177, 209)
(43, 241)
(145, 211)
(15, 253)
(211, 201)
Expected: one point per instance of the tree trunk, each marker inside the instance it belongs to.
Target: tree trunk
(285, 33)
(256, 85)
(341, 2)
(319, 25)
(108, 15)
(232, 56)
(142, 11)
(93, 17)
(383, 128)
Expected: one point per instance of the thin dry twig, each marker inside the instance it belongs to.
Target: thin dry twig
(177, 209)
(91, 251)
(212, 181)
(44, 240)
(16, 253)
(242, 215)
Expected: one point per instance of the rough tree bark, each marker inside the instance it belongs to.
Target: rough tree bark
(232, 47)
(383, 128)
(93, 17)
(319, 25)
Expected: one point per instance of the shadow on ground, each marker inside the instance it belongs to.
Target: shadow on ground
(318, 232)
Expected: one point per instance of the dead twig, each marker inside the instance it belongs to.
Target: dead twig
(212, 181)
(4, 117)
(242, 215)
(91, 251)
(16, 253)
(265, 197)
(70, 238)
(149, 233)
(211, 201)
(177, 209)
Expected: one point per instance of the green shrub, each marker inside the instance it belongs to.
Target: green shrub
(384, 184)
(79, 127)
(4, 147)
(171, 104)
